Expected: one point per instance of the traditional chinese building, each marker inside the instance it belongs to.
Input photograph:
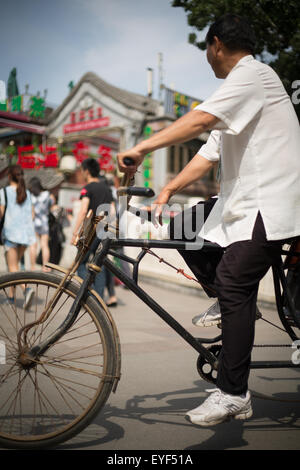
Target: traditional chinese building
(98, 119)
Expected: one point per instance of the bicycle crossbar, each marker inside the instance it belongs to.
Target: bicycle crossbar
(171, 244)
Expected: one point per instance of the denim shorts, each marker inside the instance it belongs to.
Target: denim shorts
(8, 244)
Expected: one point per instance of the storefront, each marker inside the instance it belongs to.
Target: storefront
(23, 137)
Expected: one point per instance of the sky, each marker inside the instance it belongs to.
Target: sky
(54, 42)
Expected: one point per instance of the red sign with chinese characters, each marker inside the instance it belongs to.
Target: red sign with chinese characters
(48, 157)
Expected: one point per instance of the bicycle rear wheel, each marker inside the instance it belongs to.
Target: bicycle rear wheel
(59, 394)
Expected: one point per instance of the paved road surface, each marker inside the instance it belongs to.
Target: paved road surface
(160, 382)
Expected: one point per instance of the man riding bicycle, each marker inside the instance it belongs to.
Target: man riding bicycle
(255, 139)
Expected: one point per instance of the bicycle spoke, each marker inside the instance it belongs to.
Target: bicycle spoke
(77, 350)
(43, 399)
(14, 397)
(60, 393)
(9, 320)
(76, 360)
(75, 337)
(74, 382)
(80, 327)
(76, 369)
(45, 324)
(6, 375)
(68, 389)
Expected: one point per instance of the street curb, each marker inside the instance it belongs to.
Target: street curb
(190, 290)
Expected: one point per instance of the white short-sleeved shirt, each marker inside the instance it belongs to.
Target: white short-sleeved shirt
(258, 142)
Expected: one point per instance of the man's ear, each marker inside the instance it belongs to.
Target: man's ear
(218, 44)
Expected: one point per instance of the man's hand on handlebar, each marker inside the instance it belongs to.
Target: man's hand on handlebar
(157, 207)
(130, 160)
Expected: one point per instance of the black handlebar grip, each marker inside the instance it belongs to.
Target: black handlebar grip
(136, 191)
(128, 161)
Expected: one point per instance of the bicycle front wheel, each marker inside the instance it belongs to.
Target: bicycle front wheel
(58, 394)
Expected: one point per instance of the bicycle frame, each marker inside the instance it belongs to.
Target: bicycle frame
(197, 343)
(106, 247)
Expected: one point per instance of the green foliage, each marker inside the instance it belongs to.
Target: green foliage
(276, 24)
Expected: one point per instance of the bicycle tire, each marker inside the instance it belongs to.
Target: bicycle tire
(59, 395)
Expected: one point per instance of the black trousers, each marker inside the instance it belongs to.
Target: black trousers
(233, 276)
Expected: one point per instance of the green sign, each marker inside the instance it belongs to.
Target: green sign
(37, 108)
(16, 103)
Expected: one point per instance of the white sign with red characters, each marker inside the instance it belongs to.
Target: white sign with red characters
(83, 124)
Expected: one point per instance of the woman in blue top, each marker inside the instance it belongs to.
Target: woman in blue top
(18, 231)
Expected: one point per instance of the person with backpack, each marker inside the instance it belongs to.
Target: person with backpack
(18, 229)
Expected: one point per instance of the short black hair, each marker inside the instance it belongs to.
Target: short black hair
(235, 33)
(35, 186)
(92, 166)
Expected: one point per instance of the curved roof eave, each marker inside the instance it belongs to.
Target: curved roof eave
(128, 98)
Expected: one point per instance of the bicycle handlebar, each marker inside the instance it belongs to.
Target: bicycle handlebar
(128, 161)
(132, 190)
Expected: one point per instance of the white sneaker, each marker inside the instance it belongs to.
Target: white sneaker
(212, 316)
(219, 407)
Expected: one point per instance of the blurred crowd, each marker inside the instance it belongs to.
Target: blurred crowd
(32, 220)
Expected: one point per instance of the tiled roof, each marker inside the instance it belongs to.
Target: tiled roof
(49, 178)
(128, 98)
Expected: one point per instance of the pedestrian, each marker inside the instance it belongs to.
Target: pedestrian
(255, 139)
(18, 231)
(42, 202)
(94, 195)
(58, 220)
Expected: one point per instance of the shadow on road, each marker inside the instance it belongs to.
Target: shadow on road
(269, 416)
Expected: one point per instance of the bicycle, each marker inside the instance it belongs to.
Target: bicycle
(63, 362)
